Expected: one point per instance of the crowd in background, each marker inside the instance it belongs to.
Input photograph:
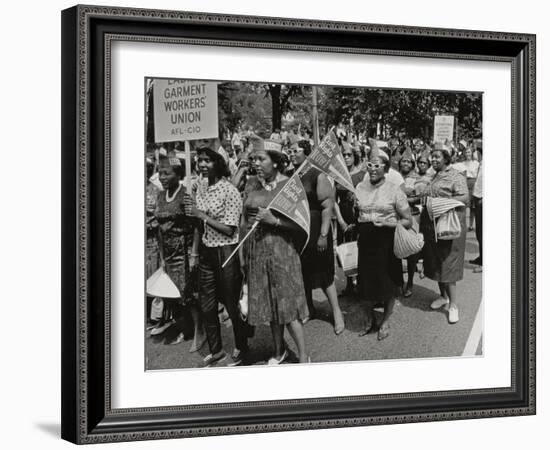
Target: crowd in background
(192, 233)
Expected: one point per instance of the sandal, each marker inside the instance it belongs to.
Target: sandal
(383, 332)
(339, 329)
(369, 330)
(274, 361)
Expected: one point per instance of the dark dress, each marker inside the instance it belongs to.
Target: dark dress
(379, 270)
(151, 245)
(346, 203)
(444, 259)
(275, 287)
(176, 230)
(317, 267)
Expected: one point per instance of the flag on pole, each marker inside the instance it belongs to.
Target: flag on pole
(291, 201)
(328, 158)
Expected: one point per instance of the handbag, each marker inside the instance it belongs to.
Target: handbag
(448, 226)
(347, 257)
(243, 302)
(407, 242)
(157, 309)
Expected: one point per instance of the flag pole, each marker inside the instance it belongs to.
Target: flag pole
(188, 167)
(315, 114)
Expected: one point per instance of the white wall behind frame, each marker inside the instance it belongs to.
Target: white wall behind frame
(30, 388)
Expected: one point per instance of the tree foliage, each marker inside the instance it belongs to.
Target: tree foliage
(408, 111)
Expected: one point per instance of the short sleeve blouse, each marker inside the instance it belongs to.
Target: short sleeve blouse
(222, 202)
(448, 183)
(380, 201)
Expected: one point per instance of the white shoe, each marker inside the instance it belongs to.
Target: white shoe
(439, 302)
(453, 314)
(276, 361)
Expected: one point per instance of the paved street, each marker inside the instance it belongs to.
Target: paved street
(416, 330)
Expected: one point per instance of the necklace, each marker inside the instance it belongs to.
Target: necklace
(170, 199)
(269, 186)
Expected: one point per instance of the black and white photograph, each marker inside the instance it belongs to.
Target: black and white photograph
(297, 224)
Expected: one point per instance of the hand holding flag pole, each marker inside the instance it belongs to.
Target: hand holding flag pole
(300, 216)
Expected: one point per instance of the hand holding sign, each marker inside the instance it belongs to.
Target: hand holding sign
(265, 216)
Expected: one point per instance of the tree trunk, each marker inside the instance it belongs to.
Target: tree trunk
(275, 93)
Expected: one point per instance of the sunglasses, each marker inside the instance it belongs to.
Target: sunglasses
(374, 166)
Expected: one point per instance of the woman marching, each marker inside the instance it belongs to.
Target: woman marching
(472, 169)
(270, 259)
(407, 170)
(344, 207)
(444, 259)
(381, 206)
(218, 206)
(318, 257)
(178, 241)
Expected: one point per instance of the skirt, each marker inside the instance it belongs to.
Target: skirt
(275, 287)
(318, 266)
(177, 252)
(443, 260)
(379, 271)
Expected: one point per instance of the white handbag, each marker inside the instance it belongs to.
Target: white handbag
(347, 257)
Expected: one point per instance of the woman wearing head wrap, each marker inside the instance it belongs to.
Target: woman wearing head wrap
(444, 259)
(318, 257)
(270, 259)
(178, 241)
(381, 206)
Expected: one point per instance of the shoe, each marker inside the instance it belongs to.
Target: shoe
(470, 228)
(212, 359)
(383, 332)
(475, 261)
(276, 361)
(159, 330)
(339, 326)
(369, 330)
(197, 345)
(453, 314)
(237, 358)
(439, 302)
(178, 340)
(408, 292)
(478, 269)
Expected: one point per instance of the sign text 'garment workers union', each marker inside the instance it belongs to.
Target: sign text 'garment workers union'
(185, 110)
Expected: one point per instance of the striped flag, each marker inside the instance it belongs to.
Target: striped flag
(437, 206)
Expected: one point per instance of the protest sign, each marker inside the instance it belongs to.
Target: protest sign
(443, 128)
(291, 201)
(185, 110)
(328, 158)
